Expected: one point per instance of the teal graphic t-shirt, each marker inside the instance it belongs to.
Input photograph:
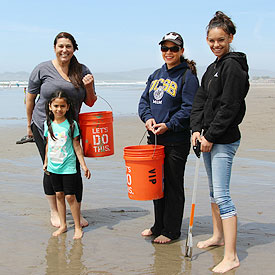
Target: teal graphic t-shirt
(61, 155)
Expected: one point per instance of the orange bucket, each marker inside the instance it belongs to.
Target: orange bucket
(97, 133)
(144, 171)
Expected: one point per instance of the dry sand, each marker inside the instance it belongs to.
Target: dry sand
(112, 243)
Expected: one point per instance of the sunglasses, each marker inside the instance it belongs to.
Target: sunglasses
(173, 49)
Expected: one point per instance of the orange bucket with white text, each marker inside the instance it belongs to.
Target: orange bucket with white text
(97, 133)
(144, 171)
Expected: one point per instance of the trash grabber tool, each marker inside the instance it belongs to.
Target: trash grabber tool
(189, 239)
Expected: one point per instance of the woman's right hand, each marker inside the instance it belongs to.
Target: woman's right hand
(29, 132)
(196, 136)
(30, 102)
(150, 123)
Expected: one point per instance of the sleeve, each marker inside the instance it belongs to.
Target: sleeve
(76, 129)
(85, 70)
(181, 119)
(144, 109)
(234, 84)
(196, 118)
(35, 81)
(45, 129)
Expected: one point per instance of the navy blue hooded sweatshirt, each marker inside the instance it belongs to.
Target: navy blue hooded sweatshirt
(219, 104)
(169, 101)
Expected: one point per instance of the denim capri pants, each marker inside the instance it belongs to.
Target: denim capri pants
(218, 164)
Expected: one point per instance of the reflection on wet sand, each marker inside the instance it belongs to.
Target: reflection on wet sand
(169, 259)
(217, 255)
(64, 258)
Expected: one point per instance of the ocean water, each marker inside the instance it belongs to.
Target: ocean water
(122, 99)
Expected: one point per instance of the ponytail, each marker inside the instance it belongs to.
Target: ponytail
(191, 64)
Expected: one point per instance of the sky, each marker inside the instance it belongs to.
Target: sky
(123, 35)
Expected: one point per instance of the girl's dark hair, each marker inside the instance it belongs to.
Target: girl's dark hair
(70, 114)
(75, 68)
(220, 20)
(191, 64)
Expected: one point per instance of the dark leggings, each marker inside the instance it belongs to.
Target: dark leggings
(48, 188)
(169, 210)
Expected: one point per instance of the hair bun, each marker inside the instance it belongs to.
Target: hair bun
(221, 20)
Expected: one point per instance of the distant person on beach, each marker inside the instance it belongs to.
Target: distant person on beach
(62, 147)
(165, 108)
(218, 109)
(66, 73)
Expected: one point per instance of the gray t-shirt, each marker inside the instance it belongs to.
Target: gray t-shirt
(44, 80)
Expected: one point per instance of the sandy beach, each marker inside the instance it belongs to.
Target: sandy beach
(112, 243)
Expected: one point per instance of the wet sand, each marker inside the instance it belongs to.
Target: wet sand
(112, 243)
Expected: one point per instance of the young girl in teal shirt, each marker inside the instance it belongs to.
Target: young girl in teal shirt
(62, 148)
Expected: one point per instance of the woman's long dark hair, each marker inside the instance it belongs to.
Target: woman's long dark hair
(75, 68)
(70, 114)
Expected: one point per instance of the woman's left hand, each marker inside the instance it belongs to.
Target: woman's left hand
(160, 128)
(206, 145)
(88, 80)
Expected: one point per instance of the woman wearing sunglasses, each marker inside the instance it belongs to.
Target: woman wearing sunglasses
(165, 108)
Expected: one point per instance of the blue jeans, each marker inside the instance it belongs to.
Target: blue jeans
(218, 164)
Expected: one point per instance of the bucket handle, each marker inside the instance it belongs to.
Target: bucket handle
(155, 143)
(105, 101)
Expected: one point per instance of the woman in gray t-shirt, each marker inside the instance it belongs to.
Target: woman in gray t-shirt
(64, 72)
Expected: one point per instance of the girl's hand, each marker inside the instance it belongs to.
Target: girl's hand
(160, 128)
(88, 80)
(45, 167)
(149, 124)
(87, 172)
(196, 136)
(206, 145)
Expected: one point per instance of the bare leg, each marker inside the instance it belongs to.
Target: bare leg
(83, 221)
(217, 238)
(61, 206)
(230, 259)
(74, 205)
(146, 232)
(55, 221)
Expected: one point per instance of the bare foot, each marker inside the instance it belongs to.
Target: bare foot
(146, 232)
(162, 239)
(210, 242)
(59, 231)
(226, 265)
(78, 233)
(83, 221)
(55, 221)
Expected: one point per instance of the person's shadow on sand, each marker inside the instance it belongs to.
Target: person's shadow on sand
(110, 216)
(249, 234)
